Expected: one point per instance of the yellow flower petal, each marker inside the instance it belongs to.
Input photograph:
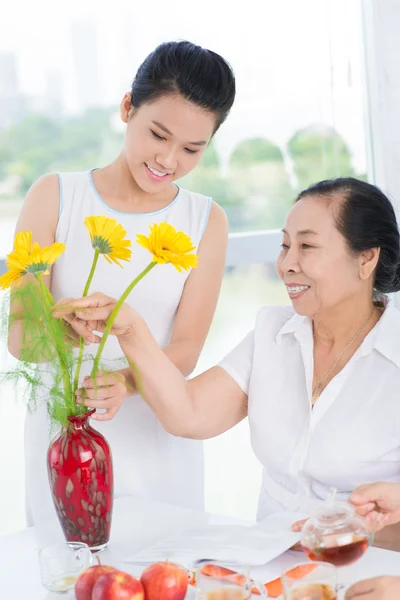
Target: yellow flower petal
(10, 278)
(107, 236)
(23, 242)
(167, 245)
(28, 258)
(50, 254)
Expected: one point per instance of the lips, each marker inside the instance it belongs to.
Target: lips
(296, 290)
(156, 171)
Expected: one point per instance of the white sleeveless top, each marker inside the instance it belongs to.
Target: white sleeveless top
(148, 461)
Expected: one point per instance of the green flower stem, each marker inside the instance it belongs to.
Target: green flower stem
(92, 270)
(82, 341)
(114, 314)
(48, 303)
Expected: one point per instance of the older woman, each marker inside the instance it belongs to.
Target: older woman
(319, 380)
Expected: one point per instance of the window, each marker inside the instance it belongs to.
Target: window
(298, 118)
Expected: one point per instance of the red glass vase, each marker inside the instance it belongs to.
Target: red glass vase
(79, 465)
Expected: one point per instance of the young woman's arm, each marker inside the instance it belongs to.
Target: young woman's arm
(40, 216)
(200, 295)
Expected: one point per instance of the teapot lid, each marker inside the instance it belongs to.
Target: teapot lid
(333, 512)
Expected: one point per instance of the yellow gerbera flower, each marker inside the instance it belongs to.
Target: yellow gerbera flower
(168, 245)
(28, 258)
(107, 236)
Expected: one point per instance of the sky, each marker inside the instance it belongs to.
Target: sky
(297, 62)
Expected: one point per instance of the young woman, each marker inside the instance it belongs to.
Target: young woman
(318, 380)
(180, 96)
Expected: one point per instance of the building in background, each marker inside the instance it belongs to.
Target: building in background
(84, 42)
(8, 74)
(12, 103)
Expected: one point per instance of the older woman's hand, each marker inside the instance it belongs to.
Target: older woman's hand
(91, 313)
(378, 588)
(298, 525)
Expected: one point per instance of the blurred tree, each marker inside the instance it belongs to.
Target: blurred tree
(319, 152)
(210, 157)
(254, 188)
(38, 145)
(258, 176)
(255, 150)
(207, 179)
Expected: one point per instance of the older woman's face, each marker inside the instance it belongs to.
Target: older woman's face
(319, 271)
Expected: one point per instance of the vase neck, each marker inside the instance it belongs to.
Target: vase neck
(80, 421)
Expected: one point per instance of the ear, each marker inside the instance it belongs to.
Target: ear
(126, 107)
(368, 261)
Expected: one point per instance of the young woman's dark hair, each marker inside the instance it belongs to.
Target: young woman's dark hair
(197, 74)
(366, 219)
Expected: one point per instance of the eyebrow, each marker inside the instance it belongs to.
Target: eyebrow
(302, 232)
(167, 131)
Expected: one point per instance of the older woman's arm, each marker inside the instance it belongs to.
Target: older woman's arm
(203, 407)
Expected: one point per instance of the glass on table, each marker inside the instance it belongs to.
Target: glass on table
(318, 583)
(60, 564)
(218, 580)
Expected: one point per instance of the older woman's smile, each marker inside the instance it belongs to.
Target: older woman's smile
(295, 290)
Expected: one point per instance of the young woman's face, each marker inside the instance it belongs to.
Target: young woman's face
(165, 139)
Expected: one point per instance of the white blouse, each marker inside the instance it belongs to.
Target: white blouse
(350, 437)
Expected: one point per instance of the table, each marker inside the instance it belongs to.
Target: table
(138, 523)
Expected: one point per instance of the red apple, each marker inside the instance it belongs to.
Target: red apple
(165, 581)
(118, 586)
(86, 580)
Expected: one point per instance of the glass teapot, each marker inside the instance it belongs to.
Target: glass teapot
(335, 533)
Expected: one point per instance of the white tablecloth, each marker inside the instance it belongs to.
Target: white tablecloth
(137, 524)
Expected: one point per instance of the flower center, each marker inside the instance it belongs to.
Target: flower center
(100, 244)
(36, 268)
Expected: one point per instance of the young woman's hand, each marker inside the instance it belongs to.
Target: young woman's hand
(91, 313)
(107, 390)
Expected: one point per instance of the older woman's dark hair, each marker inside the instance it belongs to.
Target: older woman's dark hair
(366, 219)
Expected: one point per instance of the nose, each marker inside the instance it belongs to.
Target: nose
(289, 262)
(167, 160)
